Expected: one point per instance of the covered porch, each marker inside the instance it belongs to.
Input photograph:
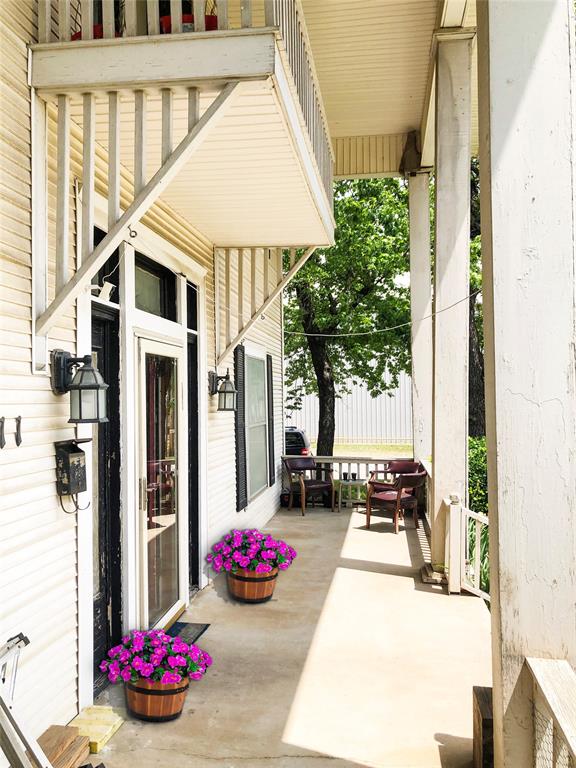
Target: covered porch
(354, 662)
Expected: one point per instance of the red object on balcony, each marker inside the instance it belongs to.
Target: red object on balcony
(210, 20)
(304, 451)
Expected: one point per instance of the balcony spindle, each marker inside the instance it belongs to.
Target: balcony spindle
(153, 17)
(176, 16)
(44, 21)
(200, 15)
(87, 16)
(246, 13)
(63, 20)
(131, 17)
(223, 14)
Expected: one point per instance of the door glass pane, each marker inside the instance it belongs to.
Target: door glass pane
(161, 512)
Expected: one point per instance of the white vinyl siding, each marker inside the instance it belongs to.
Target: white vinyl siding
(267, 334)
(39, 562)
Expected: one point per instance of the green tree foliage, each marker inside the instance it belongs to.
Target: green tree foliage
(358, 285)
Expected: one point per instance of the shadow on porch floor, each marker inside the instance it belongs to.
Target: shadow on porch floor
(354, 663)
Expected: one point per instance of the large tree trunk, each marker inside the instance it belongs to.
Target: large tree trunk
(476, 406)
(318, 347)
(326, 396)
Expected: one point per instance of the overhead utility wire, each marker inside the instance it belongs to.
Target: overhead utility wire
(383, 330)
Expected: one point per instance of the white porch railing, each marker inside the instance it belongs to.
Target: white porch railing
(68, 20)
(466, 549)
(554, 713)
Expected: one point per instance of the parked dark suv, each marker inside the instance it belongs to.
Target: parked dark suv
(297, 442)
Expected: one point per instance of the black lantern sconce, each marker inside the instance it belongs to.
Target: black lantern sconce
(87, 388)
(225, 391)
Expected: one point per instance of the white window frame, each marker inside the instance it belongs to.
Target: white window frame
(256, 352)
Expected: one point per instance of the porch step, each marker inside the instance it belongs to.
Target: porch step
(98, 724)
(64, 747)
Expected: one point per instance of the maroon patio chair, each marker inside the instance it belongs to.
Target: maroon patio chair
(319, 482)
(395, 497)
(392, 468)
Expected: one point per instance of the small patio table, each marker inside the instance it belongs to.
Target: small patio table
(353, 500)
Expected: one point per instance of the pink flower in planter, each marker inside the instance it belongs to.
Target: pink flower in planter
(112, 677)
(284, 566)
(147, 669)
(103, 666)
(263, 568)
(170, 677)
(207, 658)
(268, 554)
(137, 663)
(124, 656)
(126, 675)
(195, 675)
(244, 561)
(115, 651)
(176, 661)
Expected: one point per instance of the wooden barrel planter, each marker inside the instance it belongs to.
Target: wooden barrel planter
(252, 587)
(155, 701)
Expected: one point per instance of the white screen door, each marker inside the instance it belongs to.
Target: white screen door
(160, 370)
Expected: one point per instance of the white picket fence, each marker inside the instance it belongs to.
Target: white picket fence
(362, 419)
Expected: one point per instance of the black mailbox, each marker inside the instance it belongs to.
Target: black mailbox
(70, 467)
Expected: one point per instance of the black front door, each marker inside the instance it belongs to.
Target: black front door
(106, 496)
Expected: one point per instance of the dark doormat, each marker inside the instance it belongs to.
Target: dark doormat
(187, 631)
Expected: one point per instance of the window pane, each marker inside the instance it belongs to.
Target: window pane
(255, 391)
(258, 460)
(148, 292)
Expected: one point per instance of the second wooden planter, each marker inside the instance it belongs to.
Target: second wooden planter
(252, 587)
(154, 701)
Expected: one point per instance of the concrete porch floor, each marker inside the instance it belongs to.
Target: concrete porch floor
(354, 662)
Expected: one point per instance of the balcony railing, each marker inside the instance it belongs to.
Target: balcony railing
(71, 20)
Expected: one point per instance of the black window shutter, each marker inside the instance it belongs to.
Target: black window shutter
(240, 429)
(270, 399)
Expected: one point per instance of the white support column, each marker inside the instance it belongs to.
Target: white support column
(527, 160)
(450, 382)
(421, 311)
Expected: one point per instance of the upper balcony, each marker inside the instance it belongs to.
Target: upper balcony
(263, 174)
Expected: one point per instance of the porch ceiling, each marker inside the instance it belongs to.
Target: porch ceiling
(245, 185)
(373, 59)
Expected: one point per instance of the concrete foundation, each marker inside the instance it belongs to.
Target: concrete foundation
(354, 662)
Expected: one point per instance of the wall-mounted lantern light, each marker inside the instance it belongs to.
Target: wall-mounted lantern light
(225, 391)
(86, 386)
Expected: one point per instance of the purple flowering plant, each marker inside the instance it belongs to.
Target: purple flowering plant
(252, 550)
(155, 656)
